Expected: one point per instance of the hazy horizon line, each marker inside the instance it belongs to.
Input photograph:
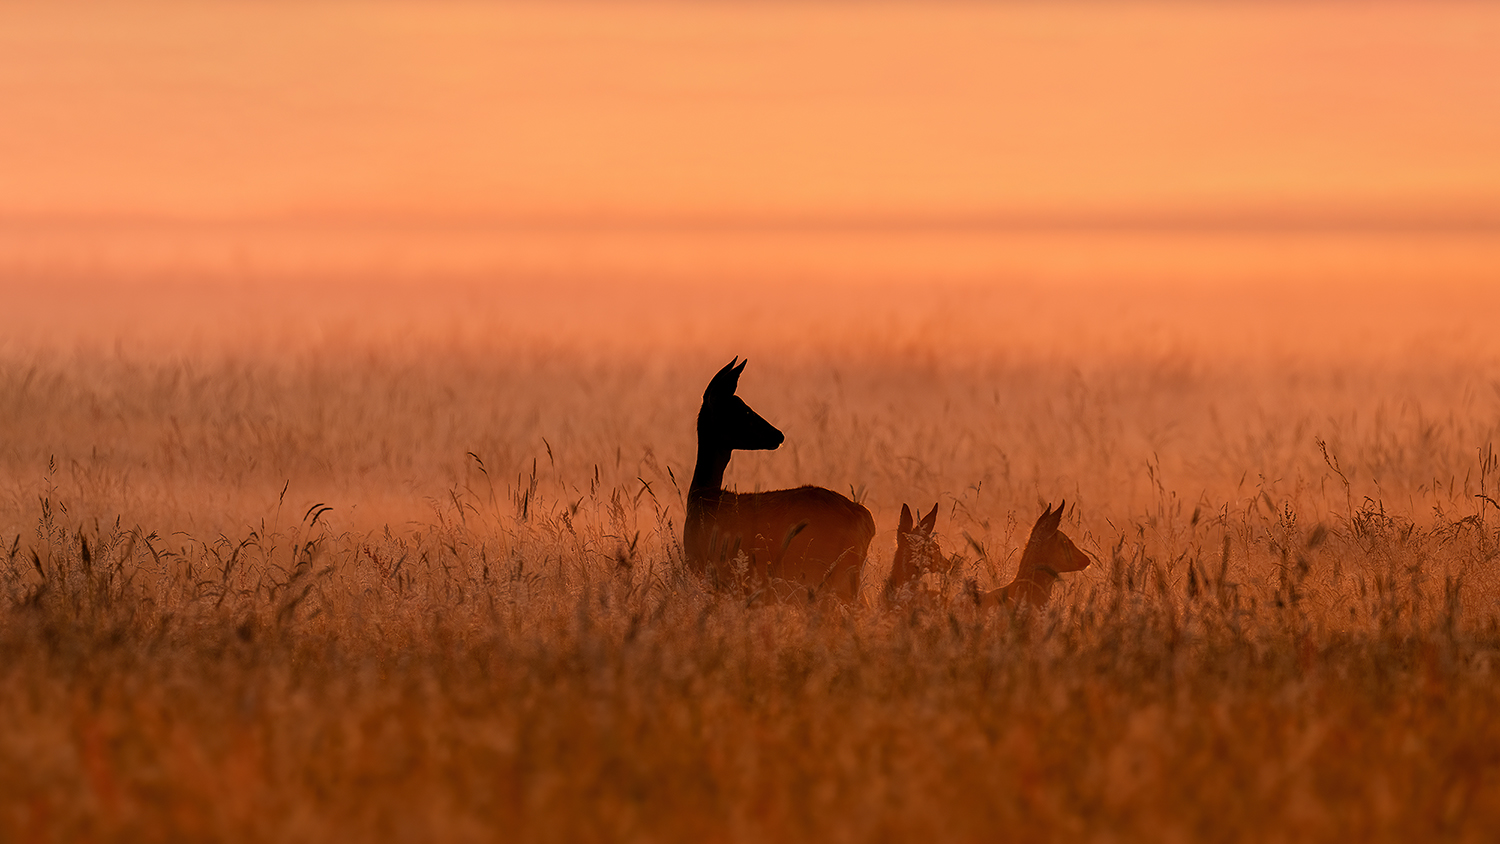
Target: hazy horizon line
(1480, 221)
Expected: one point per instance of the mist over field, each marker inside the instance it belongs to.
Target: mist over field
(350, 355)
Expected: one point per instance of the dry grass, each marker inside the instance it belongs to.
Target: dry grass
(429, 591)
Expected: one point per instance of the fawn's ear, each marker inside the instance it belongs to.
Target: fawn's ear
(1054, 518)
(905, 526)
(1044, 523)
(929, 521)
(726, 381)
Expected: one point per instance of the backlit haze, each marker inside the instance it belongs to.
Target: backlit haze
(1064, 177)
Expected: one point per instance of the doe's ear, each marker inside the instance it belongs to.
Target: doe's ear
(905, 526)
(727, 380)
(929, 521)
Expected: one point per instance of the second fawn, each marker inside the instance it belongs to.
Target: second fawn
(1049, 552)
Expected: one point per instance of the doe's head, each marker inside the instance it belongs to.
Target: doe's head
(726, 422)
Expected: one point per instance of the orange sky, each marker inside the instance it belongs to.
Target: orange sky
(748, 110)
(1120, 142)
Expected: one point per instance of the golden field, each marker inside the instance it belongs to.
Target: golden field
(423, 584)
(350, 352)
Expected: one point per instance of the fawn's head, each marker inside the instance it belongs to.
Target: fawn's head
(917, 549)
(1049, 550)
(726, 422)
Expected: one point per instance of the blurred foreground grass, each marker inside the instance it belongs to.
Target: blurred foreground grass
(452, 685)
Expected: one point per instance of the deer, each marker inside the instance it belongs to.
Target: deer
(1049, 553)
(809, 539)
(917, 553)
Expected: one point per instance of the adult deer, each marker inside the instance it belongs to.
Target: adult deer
(1049, 553)
(917, 554)
(791, 540)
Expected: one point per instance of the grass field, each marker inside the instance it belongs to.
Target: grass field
(355, 571)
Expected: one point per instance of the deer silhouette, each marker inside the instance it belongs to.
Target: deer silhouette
(805, 540)
(917, 553)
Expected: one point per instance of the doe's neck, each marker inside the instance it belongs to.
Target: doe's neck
(708, 474)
